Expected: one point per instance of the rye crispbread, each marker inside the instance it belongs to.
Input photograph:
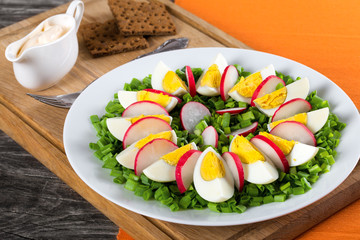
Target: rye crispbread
(138, 17)
(104, 39)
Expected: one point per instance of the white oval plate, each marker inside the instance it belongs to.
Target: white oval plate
(78, 132)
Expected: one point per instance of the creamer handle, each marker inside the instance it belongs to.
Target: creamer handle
(76, 10)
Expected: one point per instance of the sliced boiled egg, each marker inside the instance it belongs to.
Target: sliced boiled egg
(126, 98)
(212, 177)
(209, 81)
(119, 125)
(163, 170)
(269, 103)
(295, 152)
(127, 157)
(257, 167)
(245, 88)
(164, 79)
(313, 120)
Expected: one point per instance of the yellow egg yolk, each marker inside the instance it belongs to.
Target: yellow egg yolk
(211, 167)
(164, 135)
(284, 145)
(172, 82)
(246, 151)
(301, 118)
(159, 98)
(173, 157)
(212, 77)
(246, 86)
(273, 99)
(162, 116)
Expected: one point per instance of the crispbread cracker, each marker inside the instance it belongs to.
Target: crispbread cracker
(135, 17)
(104, 39)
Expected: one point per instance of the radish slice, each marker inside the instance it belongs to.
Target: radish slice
(228, 80)
(191, 114)
(266, 86)
(236, 168)
(143, 127)
(184, 170)
(231, 110)
(191, 81)
(210, 136)
(162, 92)
(270, 149)
(152, 152)
(245, 131)
(291, 108)
(145, 108)
(291, 130)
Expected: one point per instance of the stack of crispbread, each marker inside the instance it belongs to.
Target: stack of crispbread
(133, 19)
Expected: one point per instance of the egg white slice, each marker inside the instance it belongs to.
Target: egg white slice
(126, 98)
(119, 125)
(221, 62)
(127, 157)
(260, 172)
(171, 104)
(297, 89)
(265, 72)
(315, 119)
(217, 190)
(300, 154)
(158, 76)
(161, 171)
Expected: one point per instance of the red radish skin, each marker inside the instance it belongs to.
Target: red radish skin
(291, 130)
(210, 136)
(191, 114)
(232, 111)
(245, 131)
(143, 127)
(145, 108)
(236, 168)
(191, 81)
(228, 80)
(162, 92)
(152, 152)
(184, 170)
(270, 149)
(291, 108)
(267, 86)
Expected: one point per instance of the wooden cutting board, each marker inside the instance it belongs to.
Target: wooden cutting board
(38, 128)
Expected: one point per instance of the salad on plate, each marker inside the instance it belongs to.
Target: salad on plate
(218, 138)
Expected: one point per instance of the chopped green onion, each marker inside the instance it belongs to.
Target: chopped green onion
(131, 185)
(148, 194)
(280, 198)
(298, 190)
(268, 199)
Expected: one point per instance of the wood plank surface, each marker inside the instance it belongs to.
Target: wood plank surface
(38, 128)
(36, 204)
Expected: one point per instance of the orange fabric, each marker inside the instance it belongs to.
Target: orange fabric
(324, 35)
(342, 225)
(122, 235)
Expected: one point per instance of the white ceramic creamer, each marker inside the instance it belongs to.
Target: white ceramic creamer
(47, 54)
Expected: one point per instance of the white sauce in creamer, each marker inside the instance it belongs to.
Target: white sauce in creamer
(47, 34)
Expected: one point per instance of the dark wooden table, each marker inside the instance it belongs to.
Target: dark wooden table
(34, 203)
